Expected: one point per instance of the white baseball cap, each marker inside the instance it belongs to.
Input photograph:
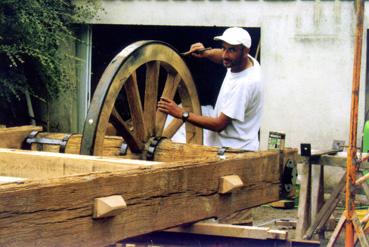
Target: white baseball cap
(235, 36)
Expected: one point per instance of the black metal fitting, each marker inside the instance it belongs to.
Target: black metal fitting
(41, 141)
(154, 142)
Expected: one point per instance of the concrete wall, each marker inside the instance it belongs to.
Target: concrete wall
(306, 55)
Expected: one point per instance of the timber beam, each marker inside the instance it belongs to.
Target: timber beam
(60, 210)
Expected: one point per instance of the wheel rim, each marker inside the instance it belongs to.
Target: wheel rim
(160, 61)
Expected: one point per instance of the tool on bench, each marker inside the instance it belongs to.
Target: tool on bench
(306, 150)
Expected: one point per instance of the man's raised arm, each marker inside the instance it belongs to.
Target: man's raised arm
(198, 50)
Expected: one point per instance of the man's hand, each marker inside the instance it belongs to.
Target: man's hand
(215, 55)
(198, 47)
(170, 107)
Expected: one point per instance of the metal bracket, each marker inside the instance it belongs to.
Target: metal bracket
(305, 149)
(123, 149)
(289, 176)
(221, 152)
(26, 144)
(154, 142)
(64, 142)
(33, 139)
(338, 145)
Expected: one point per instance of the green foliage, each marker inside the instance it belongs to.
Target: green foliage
(31, 31)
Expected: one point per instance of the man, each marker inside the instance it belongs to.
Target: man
(236, 119)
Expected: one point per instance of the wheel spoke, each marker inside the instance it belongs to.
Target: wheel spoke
(171, 86)
(191, 129)
(172, 128)
(169, 91)
(124, 130)
(151, 96)
(135, 106)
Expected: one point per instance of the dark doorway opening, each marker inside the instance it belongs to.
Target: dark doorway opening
(108, 40)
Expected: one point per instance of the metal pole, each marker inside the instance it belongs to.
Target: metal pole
(350, 165)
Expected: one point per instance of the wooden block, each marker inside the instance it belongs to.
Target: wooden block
(227, 230)
(283, 204)
(13, 137)
(277, 234)
(291, 224)
(108, 206)
(229, 183)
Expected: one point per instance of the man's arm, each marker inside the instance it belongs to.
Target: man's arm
(212, 123)
(214, 55)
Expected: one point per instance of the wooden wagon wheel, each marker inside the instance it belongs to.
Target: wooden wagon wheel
(156, 60)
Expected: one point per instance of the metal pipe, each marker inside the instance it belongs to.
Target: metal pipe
(31, 113)
(350, 165)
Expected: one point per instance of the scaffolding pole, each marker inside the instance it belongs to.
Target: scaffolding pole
(350, 163)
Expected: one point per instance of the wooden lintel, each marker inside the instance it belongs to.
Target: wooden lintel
(59, 210)
(227, 230)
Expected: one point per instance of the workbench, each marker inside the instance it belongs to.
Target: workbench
(313, 213)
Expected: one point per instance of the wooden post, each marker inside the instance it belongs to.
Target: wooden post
(303, 213)
(317, 191)
(350, 165)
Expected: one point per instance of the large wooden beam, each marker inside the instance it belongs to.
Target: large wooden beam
(60, 210)
(13, 137)
(166, 151)
(42, 165)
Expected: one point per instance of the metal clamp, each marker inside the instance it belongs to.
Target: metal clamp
(41, 141)
(221, 152)
(123, 149)
(27, 142)
(289, 175)
(64, 142)
(154, 142)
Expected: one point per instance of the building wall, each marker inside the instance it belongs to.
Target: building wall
(306, 56)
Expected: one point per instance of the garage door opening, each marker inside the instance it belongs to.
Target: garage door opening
(108, 40)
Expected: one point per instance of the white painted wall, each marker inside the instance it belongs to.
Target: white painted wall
(306, 55)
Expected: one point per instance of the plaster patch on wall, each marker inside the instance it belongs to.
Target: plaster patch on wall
(323, 18)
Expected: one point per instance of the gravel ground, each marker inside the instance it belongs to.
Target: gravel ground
(266, 216)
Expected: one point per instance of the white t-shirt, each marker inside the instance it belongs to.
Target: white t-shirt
(241, 99)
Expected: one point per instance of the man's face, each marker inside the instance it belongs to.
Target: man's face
(234, 57)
